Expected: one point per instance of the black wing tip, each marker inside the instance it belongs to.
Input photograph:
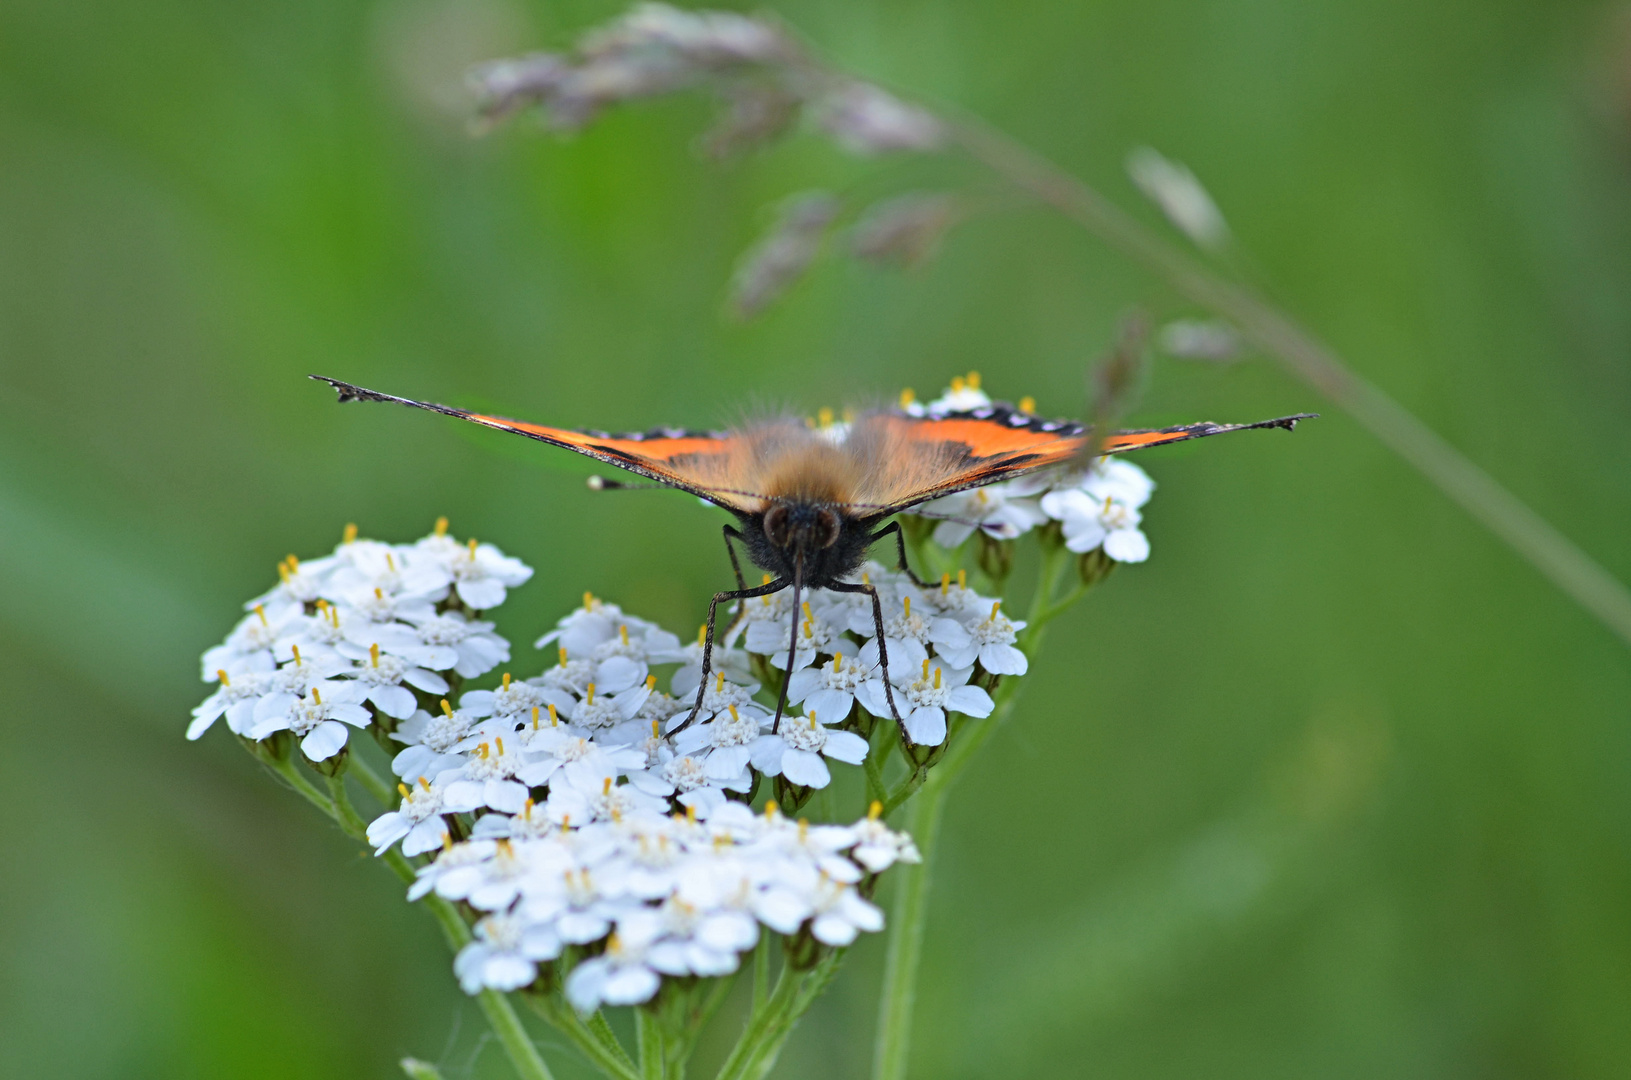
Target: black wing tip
(348, 392)
(1289, 423)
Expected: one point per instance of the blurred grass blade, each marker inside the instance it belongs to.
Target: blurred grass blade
(1508, 517)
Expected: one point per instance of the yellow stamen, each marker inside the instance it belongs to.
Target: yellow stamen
(499, 739)
(804, 829)
(535, 718)
(379, 593)
(283, 572)
(472, 549)
(1027, 405)
(907, 604)
(623, 632)
(447, 710)
(562, 654)
(262, 613)
(588, 601)
(838, 663)
(770, 809)
(974, 380)
(691, 815)
(294, 563)
(349, 535)
(866, 578)
(554, 720)
(296, 649)
(907, 397)
(566, 821)
(617, 815)
(719, 684)
(875, 811)
(702, 633)
(656, 730)
(526, 810)
(390, 561)
(651, 682)
(482, 751)
(373, 653)
(962, 579)
(824, 417)
(614, 943)
(316, 697)
(404, 789)
(606, 786)
(424, 783)
(590, 700)
(441, 525)
(925, 669)
(937, 672)
(766, 581)
(733, 713)
(447, 837)
(957, 384)
(945, 583)
(806, 607)
(506, 680)
(994, 608)
(504, 848)
(812, 720)
(221, 673)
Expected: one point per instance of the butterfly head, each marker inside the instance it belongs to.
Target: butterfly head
(816, 542)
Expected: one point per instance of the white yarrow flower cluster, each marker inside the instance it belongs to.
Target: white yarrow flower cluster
(642, 895)
(367, 625)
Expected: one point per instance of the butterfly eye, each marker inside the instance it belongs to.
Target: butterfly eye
(827, 527)
(777, 530)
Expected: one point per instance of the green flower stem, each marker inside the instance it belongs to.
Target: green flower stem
(760, 1023)
(652, 1043)
(761, 972)
(593, 1039)
(290, 772)
(378, 790)
(912, 897)
(346, 814)
(502, 1018)
(778, 1028)
(501, 1015)
(420, 1070)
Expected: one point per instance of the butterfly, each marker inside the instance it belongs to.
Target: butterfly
(811, 501)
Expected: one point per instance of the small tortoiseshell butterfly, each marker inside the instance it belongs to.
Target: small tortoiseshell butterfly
(810, 501)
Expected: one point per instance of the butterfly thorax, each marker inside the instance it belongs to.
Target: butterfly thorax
(816, 542)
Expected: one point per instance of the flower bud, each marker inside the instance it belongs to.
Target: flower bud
(1094, 566)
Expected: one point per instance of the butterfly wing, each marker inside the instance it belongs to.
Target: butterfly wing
(692, 461)
(915, 459)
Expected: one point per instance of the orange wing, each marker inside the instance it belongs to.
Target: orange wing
(958, 451)
(693, 461)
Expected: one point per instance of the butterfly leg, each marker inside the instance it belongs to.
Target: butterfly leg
(730, 534)
(900, 548)
(708, 638)
(883, 646)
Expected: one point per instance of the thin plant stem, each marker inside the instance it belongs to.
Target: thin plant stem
(377, 788)
(810, 986)
(907, 914)
(1557, 557)
(290, 772)
(605, 1054)
(502, 1018)
(761, 1021)
(652, 1044)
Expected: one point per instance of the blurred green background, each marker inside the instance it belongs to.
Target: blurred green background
(1333, 786)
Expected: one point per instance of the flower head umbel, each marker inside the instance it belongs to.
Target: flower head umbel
(600, 830)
